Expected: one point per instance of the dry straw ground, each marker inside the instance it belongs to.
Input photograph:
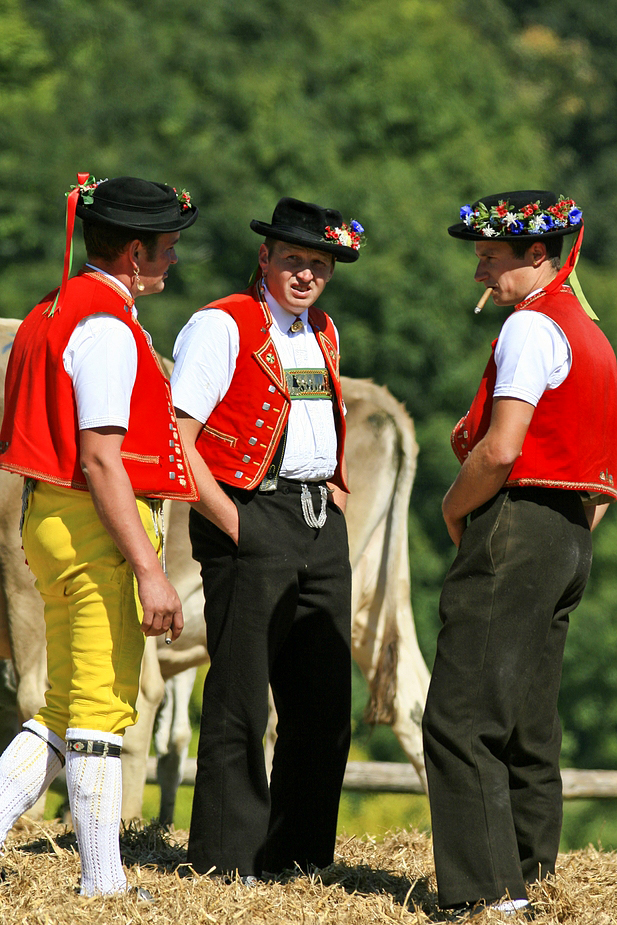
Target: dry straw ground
(370, 882)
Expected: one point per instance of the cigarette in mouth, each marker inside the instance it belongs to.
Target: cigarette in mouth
(483, 300)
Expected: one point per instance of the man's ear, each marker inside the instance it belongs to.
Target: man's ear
(264, 260)
(538, 253)
(132, 250)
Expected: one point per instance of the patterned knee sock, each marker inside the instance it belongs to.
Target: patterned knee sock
(94, 783)
(27, 768)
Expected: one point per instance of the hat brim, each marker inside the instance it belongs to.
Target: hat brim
(313, 242)
(461, 230)
(132, 222)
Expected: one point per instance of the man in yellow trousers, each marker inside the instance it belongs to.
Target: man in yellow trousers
(89, 422)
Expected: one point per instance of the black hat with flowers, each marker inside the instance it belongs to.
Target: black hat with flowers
(125, 202)
(312, 226)
(134, 204)
(518, 214)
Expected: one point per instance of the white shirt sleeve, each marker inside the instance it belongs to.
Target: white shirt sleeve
(532, 354)
(101, 360)
(205, 355)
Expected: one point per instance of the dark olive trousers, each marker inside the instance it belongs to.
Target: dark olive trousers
(491, 731)
(278, 613)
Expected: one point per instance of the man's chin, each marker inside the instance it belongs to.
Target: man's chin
(297, 305)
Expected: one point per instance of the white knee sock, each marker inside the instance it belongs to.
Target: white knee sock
(95, 795)
(27, 768)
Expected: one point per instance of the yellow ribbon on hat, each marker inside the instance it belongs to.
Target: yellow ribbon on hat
(573, 281)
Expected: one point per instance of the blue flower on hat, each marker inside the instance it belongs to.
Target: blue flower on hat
(466, 214)
(356, 226)
(575, 216)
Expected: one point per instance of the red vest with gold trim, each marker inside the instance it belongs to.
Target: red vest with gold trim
(572, 439)
(241, 435)
(40, 432)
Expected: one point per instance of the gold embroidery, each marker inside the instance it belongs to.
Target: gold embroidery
(137, 457)
(226, 438)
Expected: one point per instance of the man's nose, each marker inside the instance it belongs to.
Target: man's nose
(481, 272)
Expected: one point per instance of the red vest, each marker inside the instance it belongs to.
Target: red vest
(40, 431)
(572, 439)
(241, 435)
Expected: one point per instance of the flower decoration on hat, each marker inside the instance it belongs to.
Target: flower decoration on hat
(351, 235)
(503, 219)
(184, 199)
(86, 188)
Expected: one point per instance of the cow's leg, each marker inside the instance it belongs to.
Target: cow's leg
(172, 737)
(9, 723)
(26, 627)
(137, 738)
(270, 737)
(412, 680)
(385, 647)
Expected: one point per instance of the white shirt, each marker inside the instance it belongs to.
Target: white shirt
(101, 360)
(532, 355)
(205, 355)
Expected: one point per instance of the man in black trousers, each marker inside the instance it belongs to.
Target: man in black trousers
(256, 385)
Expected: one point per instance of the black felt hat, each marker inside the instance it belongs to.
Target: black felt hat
(518, 214)
(140, 205)
(312, 226)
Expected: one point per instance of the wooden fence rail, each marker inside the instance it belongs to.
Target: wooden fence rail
(391, 777)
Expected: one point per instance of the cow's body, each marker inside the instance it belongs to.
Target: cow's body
(381, 459)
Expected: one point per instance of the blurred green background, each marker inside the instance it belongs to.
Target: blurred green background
(396, 112)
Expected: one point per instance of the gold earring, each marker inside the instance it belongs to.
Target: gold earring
(138, 283)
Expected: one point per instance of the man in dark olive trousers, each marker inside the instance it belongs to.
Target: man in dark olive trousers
(539, 461)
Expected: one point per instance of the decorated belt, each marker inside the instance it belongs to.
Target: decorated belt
(308, 384)
(91, 747)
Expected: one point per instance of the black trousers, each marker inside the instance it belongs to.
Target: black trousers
(277, 611)
(491, 731)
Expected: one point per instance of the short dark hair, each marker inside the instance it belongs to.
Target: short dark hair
(109, 241)
(554, 247)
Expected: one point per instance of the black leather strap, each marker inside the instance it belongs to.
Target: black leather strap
(269, 481)
(90, 747)
(47, 742)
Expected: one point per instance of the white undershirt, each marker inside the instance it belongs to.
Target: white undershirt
(101, 360)
(532, 355)
(205, 355)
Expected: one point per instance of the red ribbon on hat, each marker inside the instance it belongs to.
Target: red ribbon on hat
(71, 207)
(569, 270)
(569, 265)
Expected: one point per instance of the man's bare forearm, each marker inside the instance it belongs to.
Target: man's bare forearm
(114, 500)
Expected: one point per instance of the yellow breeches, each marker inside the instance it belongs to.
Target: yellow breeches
(92, 612)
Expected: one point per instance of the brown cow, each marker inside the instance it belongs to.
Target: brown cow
(381, 455)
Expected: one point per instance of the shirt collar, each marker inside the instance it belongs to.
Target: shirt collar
(109, 276)
(282, 318)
